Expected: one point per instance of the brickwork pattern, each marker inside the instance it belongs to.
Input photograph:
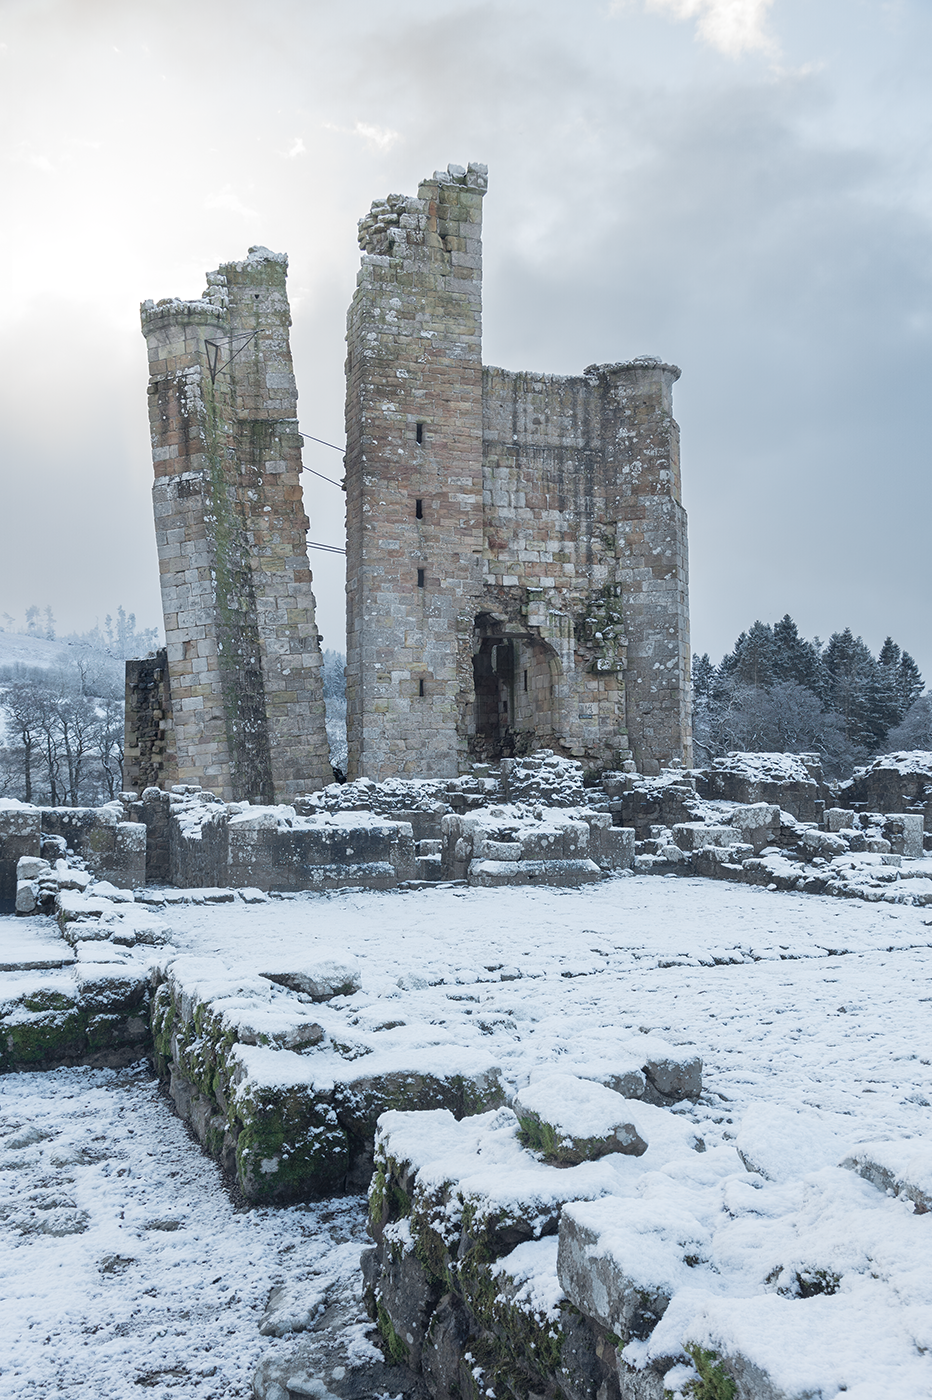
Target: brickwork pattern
(242, 643)
(148, 751)
(516, 544)
(414, 435)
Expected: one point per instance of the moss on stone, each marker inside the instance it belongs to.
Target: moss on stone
(397, 1349)
(712, 1383)
(290, 1146)
(46, 1038)
(48, 1001)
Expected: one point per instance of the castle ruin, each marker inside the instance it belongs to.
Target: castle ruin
(516, 544)
(235, 704)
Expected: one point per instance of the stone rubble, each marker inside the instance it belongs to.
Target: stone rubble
(675, 1272)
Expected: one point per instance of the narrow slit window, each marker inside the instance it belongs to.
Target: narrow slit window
(525, 680)
(420, 686)
(419, 509)
(420, 578)
(419, 433)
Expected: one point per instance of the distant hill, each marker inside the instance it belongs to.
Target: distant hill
(20, 649)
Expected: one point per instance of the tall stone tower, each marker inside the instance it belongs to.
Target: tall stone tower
(243, 652)
(516, 542)
(414, 478)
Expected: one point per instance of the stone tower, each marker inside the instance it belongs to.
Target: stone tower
(516, 545)
(243, 652)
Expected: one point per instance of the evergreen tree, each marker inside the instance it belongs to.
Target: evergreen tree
(795, 659)
(909, 684)
(757, 697)
(752, 661)
(850, 669)
(703, 675)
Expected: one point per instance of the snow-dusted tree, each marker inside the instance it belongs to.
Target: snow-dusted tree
(334, 684)
(777, 691)
(752, 661)
(915, 730)
(795, 658)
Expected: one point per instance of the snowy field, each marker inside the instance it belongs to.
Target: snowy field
(125, 1261)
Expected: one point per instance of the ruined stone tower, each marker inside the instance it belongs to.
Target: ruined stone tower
(516, 546)
(243, 653)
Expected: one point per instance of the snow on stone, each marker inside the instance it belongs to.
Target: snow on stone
(575, 1108)
(905, 761)
(802, 1003)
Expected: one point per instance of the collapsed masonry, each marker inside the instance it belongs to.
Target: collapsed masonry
(516, 546)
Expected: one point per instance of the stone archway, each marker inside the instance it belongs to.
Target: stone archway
(515, 675)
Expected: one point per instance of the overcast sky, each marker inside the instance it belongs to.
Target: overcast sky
(741, 187)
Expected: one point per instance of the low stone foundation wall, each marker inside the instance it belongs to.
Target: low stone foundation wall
(90, 1014)
(520, 845)
(263, 1071)
(653, 1272)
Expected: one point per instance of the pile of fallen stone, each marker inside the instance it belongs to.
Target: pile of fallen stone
(522, 845)
(848, 854)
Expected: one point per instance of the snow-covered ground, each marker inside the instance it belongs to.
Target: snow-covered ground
(791, 1000)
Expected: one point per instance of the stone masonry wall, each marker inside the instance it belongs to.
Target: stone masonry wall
(242, 643)
(516, 546)
(586, 549)
(414, 479)
(149, 758)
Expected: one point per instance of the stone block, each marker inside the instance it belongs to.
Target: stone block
(570, 1120)
(321, 980)
(623, 1299)
(839, 819)
(31, 867)
(567, 873)
(27, 895)
(904, 832)
(19, 836)
(692, 836)
(900, 1168)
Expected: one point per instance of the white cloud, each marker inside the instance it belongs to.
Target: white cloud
(381, 137)
(733, 27)
(228, 199)
(297, 148)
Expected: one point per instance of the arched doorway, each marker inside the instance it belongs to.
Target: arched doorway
(514, 675)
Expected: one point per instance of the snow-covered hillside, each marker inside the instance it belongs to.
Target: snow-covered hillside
(20, 649)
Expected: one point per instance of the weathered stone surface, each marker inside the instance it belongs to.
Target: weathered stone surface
(320, 980)
(19, 836)
(484, 616)
(903, 1168)
(897, 782)
(792, 782)
(293, 1307)
(243, 651)
(240, 1054)
(518, 845)
(570, 1120)
(599, 1284)
(111, 848)
(92, 1015)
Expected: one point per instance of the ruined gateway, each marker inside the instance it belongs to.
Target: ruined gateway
(516, 545)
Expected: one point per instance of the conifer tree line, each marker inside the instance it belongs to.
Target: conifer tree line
(777, 692)
(61, 742)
